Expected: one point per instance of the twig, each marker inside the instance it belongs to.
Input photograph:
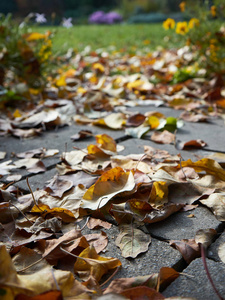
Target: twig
(182, 169)
(207, 271)
(35, 202)
(20, 211)
(85, 223)
(113, 274)
(25, 268)
(56, 283)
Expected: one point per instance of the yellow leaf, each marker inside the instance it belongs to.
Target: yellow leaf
(90, 263)
(61, 81)
(35, 36)
(36, 283)
(44, 210)
(106, 142)
(17, 114)
(81, 90)
(153, 122)
(159, 194)
(99, 67)
(210, 166)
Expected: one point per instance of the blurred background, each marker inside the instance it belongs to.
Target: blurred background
(132, 11)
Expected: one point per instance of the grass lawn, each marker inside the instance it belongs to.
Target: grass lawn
(101, 36)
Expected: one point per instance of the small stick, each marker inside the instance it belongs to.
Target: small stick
(25, 268)
(33, 195)
(20, 212)
(114, 273)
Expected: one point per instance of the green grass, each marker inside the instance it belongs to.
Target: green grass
(102, 36)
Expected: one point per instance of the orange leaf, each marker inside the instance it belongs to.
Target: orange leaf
(142, 292)
(52, 295)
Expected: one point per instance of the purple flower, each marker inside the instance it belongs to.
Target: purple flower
(99, 17)
(113, 17)
(40, 18)
(67, 22)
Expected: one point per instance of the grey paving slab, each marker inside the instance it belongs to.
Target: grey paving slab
(37, 181)
(213, 248)
(136, 146)
(211, 132)
(179, 226)
(159, 255)
(167, 111)
(196, 283)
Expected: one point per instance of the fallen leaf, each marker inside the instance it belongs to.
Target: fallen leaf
(199, 144)
(164, 137)
(188, 248)
(142, 292)
(205, 236)
(98, 240)
(135, 120)
(216, 203)
(221, 252)
(90, 263)
(132, 241)
(120, 284)
(96, 223)
(110, 184)
(52, 295)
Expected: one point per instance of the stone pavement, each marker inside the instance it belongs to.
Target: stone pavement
(194, 282)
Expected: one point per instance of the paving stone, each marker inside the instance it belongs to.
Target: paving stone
(136, 146)
(214, 247)
(159, 255)
(196, 284)
(167, 111)
(37, 181)
(179, 226)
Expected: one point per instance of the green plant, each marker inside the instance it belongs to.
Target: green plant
(25, 56)
(204, 33)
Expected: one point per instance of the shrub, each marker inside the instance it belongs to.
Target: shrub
(204, 33)
(25, 56)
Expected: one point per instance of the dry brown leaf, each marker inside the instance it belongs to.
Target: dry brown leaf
(98, 240)
(164, 137)
(205, 236)
(96, 223)
(188, 248)
(132, 241)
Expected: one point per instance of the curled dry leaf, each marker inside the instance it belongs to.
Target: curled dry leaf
(120, 284)
(198, 144)
(33, 284)
(221, 252)
(96, 223)
(98, 240)
(132, 241)
(205, 236)
(164, 137)
(110, 184)
(90, 263)
(216, 203)
(189, 249)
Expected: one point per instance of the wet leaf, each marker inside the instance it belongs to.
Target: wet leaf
(132, 241)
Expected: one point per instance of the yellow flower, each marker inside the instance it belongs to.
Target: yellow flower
(169, 24)
(193, 22)
(182, 6)
(182, 28)
(213, 10)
